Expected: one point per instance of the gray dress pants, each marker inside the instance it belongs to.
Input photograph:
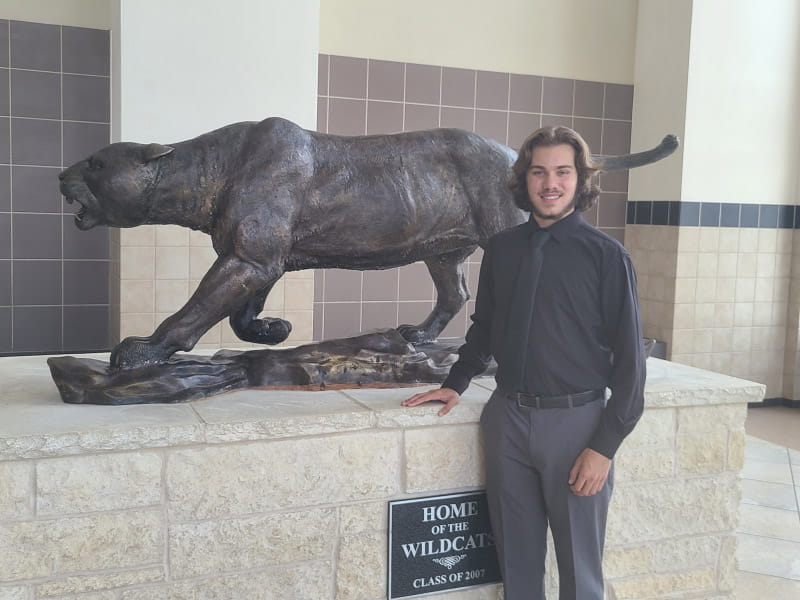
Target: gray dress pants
(529, 453)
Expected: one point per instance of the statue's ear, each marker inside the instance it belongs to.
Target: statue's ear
(154, 151)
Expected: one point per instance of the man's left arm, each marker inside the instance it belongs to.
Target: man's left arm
(622, 325)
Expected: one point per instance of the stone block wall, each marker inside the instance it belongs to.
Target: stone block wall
(273, 494)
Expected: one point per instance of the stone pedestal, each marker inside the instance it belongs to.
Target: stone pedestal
(273, 494)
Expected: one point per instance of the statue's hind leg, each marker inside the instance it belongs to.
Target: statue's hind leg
(447, 272)
(249, 328)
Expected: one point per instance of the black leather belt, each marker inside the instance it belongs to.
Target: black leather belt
(566, 401)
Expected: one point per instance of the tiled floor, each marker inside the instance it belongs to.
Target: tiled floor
(769, 524)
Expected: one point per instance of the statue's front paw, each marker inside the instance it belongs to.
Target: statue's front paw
(135, 352)
(416, 335)
(268, 330)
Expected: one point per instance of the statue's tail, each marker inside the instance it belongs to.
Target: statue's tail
(638, 159)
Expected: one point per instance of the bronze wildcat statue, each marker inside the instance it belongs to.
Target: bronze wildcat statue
(276, 198)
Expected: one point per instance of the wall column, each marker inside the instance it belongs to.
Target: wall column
(711, 228)
(181, 69)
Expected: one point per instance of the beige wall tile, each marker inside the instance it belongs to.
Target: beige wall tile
(748, 240)
(683, 341)
(684, 316)
(706, 290)
(299, 275)
(723, 314)
(727, 263)
(685, 289)
(211, 338)
(200, 260)
(172, 263)
(704, 314)
(743, 314)
(728, 240)
(687, 264)
(688, 239)
(746, 265)
(780, 312)
(198, 238)
(172, 235)
(144, 235)
(709, 239)
(762, 314)
(171, 294)
(138, 296)
(275, 301)
(137, 324)
(721, 362)
(298, 294)
(137, 262)
(702, 341)
(765, 265)
(742, 339)
(768, 240)
(784, 243)
(722, 340)
(745, 289)
(708, 265)
(302, 326)
(764, 291)
(725, 290)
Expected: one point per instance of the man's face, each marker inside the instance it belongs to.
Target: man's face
(552, 179)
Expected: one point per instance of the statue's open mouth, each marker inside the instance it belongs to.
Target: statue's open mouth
(82, 218)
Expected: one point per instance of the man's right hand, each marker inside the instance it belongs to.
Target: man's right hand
(446, 395)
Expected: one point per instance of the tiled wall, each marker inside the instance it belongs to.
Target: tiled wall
(363, 96)
(54, 110)
(721, 297)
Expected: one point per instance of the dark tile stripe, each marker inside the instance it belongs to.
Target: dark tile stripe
(713, 214)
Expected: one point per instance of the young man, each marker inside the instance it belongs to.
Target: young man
(557, 308)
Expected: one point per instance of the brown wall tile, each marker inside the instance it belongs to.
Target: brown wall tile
(525, 93)
(348, 77)
(616, 137)
(378, 315)
(591, 130)
(458, 87)
(492, 90)
(322, 74)
(421, 116)
(557, 95)
(520, 125)
(346, 116)
(619, 101)
(384, 117)
(461, 118)
(423, 84)
(589, 97)
(380, 285)
(386, 80)
(492, 124)
(342, 285)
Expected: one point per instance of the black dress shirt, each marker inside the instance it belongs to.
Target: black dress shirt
(585, 331)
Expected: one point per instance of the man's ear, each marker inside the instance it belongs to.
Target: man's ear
(154, 151)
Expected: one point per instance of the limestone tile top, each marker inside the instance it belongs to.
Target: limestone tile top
(35, 423)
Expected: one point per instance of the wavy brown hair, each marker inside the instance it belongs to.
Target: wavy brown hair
(586, 192)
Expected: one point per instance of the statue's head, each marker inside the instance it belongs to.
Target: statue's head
(114, 184)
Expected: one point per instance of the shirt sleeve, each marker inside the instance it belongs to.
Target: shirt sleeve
(475, 354)
(623, 329)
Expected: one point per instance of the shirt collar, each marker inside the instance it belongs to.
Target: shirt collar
(561, 229)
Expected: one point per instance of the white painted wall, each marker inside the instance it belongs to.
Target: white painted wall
(76, 13)
(742, 113)
(580, 39)
(660, 83)
(183, 67)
